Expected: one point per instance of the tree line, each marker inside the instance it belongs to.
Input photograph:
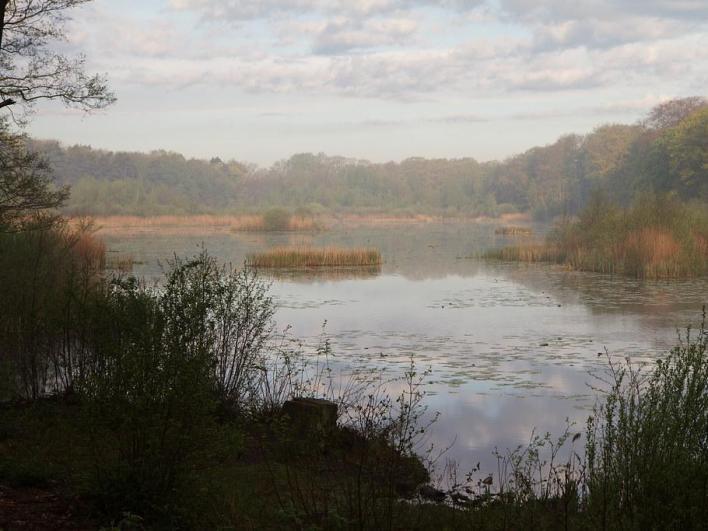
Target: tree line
(667, 152)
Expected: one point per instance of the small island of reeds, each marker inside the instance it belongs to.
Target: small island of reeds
(303, 257)
(658, 237)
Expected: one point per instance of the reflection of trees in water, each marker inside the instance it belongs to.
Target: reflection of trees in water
(316, 274)
(673, 303)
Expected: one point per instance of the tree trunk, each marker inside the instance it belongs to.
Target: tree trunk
(3, 5)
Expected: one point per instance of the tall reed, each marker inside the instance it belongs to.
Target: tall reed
(294, 257)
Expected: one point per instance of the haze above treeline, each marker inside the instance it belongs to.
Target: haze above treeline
(664, 153)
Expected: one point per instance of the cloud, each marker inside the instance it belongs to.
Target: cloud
(604, 23)
(392, 50)
(251, 9)
(342, 35)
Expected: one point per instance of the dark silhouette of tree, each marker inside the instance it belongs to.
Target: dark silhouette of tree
(26, 187)
(31, 70)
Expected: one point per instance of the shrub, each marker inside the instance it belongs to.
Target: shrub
(647, 449)
(163, 361)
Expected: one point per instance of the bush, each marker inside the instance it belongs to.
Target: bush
(647, 449)
(164, 360)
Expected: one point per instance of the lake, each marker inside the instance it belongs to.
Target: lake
(511, 347)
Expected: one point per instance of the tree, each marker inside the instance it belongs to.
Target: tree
(670, 113)
(687, 149)
(25, 183)
(30, 70)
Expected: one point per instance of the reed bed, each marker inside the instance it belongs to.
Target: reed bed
(645, 253)
(303, 257)
(525, 253)
(514, 231)
(658, 237)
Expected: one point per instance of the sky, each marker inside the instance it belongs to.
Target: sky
(260, 80)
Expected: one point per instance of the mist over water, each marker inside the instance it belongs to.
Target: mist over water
(511, 347)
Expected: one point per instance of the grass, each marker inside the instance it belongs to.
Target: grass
(298, 257)
(656, 238)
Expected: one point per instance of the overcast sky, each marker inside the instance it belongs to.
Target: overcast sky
(259, 80)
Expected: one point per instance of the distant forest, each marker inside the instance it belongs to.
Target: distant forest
(667, 152)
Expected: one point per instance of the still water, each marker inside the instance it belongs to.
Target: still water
(511, 347)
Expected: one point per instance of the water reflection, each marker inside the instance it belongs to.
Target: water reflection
(320, 274)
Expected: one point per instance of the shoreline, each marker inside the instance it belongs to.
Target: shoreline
(213, 223)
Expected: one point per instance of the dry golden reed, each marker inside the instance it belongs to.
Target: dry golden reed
(89, 250)
(645, 253)
(295, 257)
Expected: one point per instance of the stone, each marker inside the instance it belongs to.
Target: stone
(312, 414)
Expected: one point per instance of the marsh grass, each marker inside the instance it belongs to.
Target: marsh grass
(304, 257)
(656, 238)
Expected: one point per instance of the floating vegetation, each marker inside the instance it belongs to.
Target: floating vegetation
(303, 257)
(514, 231)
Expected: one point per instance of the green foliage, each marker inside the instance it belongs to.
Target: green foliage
(647, 450)
(151, 388)
(686, 147)
(26, 187)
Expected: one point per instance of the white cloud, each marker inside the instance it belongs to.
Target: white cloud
(250, 9)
